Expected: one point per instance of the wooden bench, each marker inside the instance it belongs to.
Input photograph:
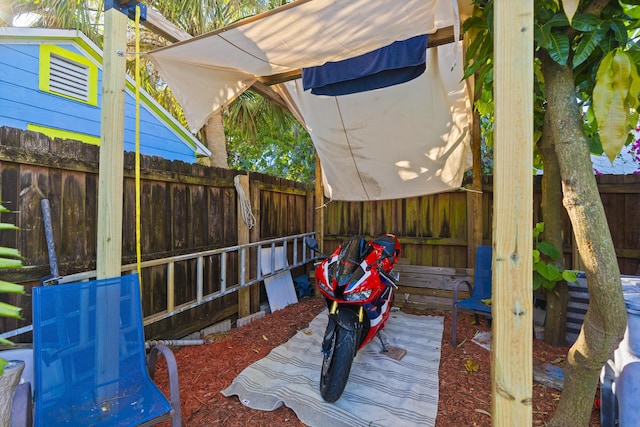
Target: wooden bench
(430, 287)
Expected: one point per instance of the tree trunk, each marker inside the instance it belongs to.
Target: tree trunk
(555, 328)
(606, 318)
(216, 142)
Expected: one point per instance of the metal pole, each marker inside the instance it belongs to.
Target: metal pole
(48, 232)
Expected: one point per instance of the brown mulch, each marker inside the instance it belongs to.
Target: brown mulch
(464, 395)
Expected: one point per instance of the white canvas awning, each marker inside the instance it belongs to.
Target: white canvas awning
(400, 141)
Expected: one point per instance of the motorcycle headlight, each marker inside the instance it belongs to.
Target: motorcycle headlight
(357, 296)
(324, 287)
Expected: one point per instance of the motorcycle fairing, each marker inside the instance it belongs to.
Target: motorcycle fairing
(326, 274)
(357, 275)
(351, 265)
(379, 307)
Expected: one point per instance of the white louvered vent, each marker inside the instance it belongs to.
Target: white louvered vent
(69, 78)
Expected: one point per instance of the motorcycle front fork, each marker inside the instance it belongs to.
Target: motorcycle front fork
(334, 323)
(328, 334)
(334, 309)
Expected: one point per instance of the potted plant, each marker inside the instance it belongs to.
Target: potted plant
(10, 371)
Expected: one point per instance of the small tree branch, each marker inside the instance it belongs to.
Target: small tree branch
(593, 8)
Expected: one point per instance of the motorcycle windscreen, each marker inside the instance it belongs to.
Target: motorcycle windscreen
(351, 255)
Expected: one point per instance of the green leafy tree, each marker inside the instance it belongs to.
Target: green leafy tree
(557, 297)
(85, 16)
(269, 144)
(586, 97)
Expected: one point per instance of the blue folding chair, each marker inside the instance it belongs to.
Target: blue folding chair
(481, 291)
(89, 357)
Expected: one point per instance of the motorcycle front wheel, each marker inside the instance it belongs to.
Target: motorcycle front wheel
(336, 364)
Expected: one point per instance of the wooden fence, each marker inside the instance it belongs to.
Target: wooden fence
(434, 230)
(185, 208)
(190, 208)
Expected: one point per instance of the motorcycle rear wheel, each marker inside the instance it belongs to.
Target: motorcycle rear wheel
(336, 364)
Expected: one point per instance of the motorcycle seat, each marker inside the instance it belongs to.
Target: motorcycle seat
(386, 241)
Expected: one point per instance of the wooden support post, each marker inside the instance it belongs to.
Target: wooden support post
(474, 197)
(244, 294)
(110, 178)
(110, 181)
(319, 212)
(310, 209)
(512, 300)
(254, 236)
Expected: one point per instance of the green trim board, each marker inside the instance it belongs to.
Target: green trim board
(64, 134)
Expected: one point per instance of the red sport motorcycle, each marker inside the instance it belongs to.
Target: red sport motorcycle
(357, 281)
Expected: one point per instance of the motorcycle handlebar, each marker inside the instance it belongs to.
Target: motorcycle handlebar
(393, 280)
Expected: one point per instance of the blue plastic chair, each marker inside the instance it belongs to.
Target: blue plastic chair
(481, 291)
(89, 357)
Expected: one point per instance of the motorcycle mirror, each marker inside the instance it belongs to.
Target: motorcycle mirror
(311, 243)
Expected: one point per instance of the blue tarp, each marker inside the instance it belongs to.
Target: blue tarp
(396, 63)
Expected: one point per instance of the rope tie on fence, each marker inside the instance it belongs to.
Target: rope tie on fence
(469, 190)
(245, 204)
(324, 205)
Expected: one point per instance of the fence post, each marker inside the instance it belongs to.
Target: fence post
(244, 294)
(319, 211)
(254, 236)
(474, 197)
(310, 208)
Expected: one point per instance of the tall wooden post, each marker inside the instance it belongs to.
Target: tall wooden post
(254, 236)
(474, 197)
(244, 294)
(310, 209)
(512, 304)
(110, 178)
(319, 213)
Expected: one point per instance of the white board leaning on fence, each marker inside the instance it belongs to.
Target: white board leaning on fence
(280, 289)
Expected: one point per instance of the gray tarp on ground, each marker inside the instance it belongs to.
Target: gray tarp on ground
(380, 391)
